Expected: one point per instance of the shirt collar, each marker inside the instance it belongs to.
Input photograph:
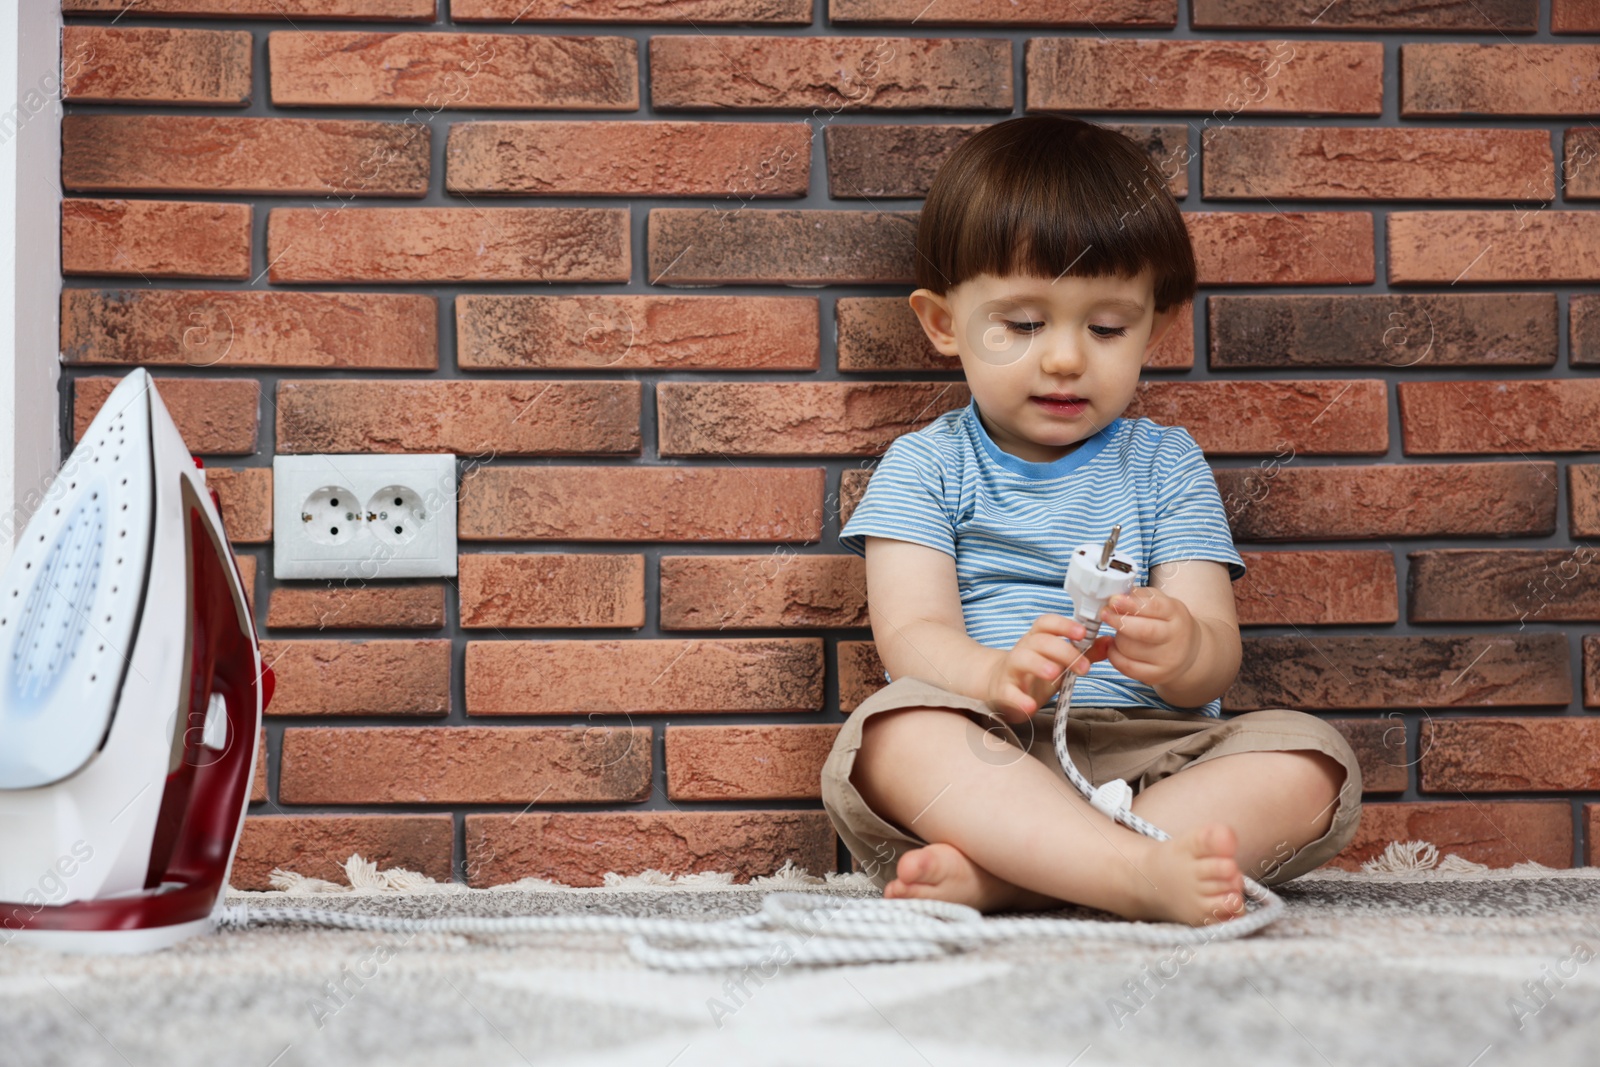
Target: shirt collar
(1086, 450)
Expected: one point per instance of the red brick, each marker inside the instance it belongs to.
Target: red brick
(779, 590)
(740, 159)
(747, 762)
(860, 673)
(646, 332)
(1499, 834)
(400, 606)
(1317, 587)
(214, 416)
(1333, 672)
(366, 10)
(1247, 418)
(1504, 584)
(1283, 247)
(525, 71)
(839, 73)
(746, 676)
(1468, 417)
(155, 238)
(401, 677)
(1580, 175)
(694, 12)
(1583, 329)
(1496, 755)
(318, 846)
(1591, 670)
(882, 333)
(579, 848)
(796, 418)
(1374, 163)
(1088, 73)
(246, 495)
(421, 244)
(1463, 16)
(247, 578)
(202, 153)
(1383, 330)
(893, 160)
(465, 765)
(599, 503)
(695, 246)
(1284, 503)
(1095, 13)
(249, 328)
(1524, 245)
(1499, 79)
(516, 418)
(149, 65)
(551, 589)
(1575, 16)
(258, 787)
(1583, 499)
(1380, 748)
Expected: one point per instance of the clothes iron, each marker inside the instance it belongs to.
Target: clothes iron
(131, 692)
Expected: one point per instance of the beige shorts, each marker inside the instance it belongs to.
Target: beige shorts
(1139, 745)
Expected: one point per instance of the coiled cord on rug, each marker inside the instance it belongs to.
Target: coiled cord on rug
(857, 931)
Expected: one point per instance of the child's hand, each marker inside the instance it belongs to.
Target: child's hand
(1157, 637)
(1030, 673)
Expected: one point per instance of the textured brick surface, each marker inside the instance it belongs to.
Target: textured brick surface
(1282, 247)
(1524, 245)
(374, 10)
(715, 503)
(577, 848)
(457, 70)
(648, 332)
(780, 589)
(149, 65)
(767, 12)
(1561, 415)
(182, 153)
(1344, 163)
(889, 159)
(747, 762)
(396, 605)
(1499, 79)
(246, 495)
(503, 418)
(1334, 672)
(465, 765)
(219, 328)
(1583, 337)
(1317, 588)
(360, 677)
(318, 846)
(1583, 499)
(1289, 501)
(1462, 16)
(747, 676)
(214, 416)
(1155, 13)
(1580, 155)
(860, 673)
(695, 246)
(1575, 16)
(1099, 73)
(742, 159)
(1334, 416)
(1499, 833)
(568, 244)
(839, 73)
(1497, 755)
(1382, 331)
(247, 578)
(1380, 748)
(551, 589)
(155, 238)
(1518, 585)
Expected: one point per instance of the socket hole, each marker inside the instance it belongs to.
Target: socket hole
(326, 522)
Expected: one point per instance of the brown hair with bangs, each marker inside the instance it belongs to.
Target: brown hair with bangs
(1047, 195)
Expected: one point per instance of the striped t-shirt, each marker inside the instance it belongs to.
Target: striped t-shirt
(1012, 524)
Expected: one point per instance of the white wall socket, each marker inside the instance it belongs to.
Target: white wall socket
(364, 516)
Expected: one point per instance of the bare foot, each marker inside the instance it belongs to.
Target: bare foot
(1191, 878)
(940, 871)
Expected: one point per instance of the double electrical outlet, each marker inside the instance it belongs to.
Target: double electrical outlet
(364, 516)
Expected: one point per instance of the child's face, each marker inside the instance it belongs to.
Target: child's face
(1021, 337)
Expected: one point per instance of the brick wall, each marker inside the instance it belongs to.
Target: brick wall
(644, 272)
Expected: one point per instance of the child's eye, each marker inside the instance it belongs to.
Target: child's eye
(1111, 331)
(1015, 327)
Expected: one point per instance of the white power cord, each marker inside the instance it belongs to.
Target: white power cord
(842, 930)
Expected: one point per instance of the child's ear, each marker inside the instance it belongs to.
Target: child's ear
(1158, 328)
(933, 311)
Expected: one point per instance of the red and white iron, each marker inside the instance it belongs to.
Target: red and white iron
(131, 692)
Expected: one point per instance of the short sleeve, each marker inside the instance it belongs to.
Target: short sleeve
(905, 499)
(1190, 521)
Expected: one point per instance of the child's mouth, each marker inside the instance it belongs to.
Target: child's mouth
(1060, 407)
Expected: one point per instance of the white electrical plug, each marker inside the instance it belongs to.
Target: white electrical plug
(1094, 576)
